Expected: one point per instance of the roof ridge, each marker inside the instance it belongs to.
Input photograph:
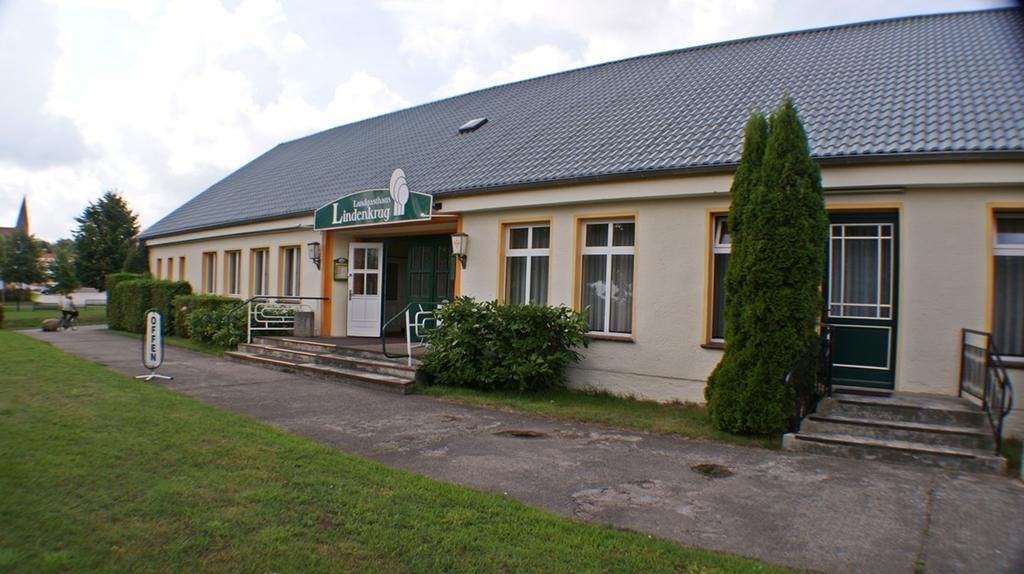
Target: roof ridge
(671, 52)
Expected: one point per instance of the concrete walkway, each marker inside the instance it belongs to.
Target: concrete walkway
(805, 511)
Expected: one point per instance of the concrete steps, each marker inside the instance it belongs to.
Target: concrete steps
(930, 430)
(324, 360)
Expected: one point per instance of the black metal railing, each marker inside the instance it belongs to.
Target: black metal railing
(809, 379)
(983, 376)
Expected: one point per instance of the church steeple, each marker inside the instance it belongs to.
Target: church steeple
(22, 224)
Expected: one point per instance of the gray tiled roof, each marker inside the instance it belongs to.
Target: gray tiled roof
(941, 84)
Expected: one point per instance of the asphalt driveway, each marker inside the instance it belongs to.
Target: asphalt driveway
(795, 509)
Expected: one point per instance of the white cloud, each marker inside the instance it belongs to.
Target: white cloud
(166, 102)
(161, 98)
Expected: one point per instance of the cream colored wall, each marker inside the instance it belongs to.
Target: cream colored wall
(232, 239)
(944, 259)
(944, 262)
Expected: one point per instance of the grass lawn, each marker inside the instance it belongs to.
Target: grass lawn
(685, 420)
(27, 318)
(104, 473)
(183, 342)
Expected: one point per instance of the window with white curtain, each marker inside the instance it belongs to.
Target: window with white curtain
(721, 247)
(861, 273)
(527, 253)
(606, 289)
(290, 271)
(1008, 301)
(260, 272)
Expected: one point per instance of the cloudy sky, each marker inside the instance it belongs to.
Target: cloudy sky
(159, 100)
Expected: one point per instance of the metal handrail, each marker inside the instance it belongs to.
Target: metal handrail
(260, 299)
(809, 378)
(416, 323)
(994, 389)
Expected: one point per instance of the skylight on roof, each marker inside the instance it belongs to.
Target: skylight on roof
(472, 125)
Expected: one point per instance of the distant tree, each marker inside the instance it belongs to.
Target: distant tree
(62, 271)
(138, 259)
(104, 238)
(19, 260)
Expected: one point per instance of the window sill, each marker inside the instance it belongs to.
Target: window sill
(610, 337)
(718, 345)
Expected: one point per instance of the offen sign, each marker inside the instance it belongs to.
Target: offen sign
(153, 346)
(376, 206)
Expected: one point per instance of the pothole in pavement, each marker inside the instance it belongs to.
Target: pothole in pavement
(711, 470)
(521, 433)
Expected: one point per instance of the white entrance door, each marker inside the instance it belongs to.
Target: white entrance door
(364, 287)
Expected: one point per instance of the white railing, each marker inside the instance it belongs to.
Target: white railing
(419, 320)
(268, 315)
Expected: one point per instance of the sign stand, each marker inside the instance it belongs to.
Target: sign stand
(153, 346)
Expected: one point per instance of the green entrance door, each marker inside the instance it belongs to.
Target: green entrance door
(861, 304)
(430, 272)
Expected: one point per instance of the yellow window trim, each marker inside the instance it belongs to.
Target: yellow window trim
(280, 270)
(577, 267)
(227, 271)
(992, 209)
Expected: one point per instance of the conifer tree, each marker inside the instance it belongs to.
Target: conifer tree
(782, 257)
(104, 238)
(725, 381)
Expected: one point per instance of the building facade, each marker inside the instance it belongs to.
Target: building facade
(606, 189)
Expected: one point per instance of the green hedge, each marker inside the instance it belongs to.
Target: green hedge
(186, 304)
(1, 316)
(503, 347)
(129, 299)
(112, 279)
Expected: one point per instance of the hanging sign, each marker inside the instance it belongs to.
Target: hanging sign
(153, 345)
(376, 207)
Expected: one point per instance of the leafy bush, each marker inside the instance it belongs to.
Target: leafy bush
(220, 325)
(185, 304)
(128, 301)
(1, 316)
(503, 347)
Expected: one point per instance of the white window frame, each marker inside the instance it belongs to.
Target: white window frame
(529, 253)
(879, 306)
(719, 224)
(294, 275)
(261, 272)
(1003, 250)
(233, 272)
(608, 250)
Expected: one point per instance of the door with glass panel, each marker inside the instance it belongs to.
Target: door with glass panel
(860, 298)
(364, 289)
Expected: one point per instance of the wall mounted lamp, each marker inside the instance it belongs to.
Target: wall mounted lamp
(460, 245)
(313, 252)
